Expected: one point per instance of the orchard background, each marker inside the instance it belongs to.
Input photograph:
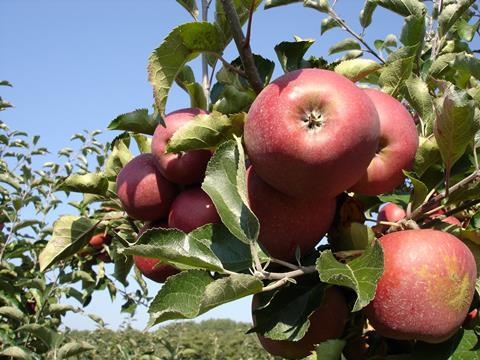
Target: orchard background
(38, 185)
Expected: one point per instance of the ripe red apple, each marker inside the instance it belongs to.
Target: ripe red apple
(287, 222)
(327, 322)
(397, 147)
(426, 288)
(154, 269)
(191, 209)
(151, 267)
(311, 133)
(186, 167)
(97, 241)
(145, 194)
(391, 212)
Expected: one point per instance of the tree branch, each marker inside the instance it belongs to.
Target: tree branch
(433, 202)
(243, 48)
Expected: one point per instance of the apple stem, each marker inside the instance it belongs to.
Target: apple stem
(285, 263)
(243, 48)
(257, 264)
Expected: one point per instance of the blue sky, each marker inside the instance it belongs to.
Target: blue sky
(78, 64)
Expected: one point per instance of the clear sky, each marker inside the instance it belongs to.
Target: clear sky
(77, 64)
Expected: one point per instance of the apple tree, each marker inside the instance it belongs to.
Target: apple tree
(231, 196)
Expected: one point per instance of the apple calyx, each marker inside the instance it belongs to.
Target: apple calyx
(313, 120)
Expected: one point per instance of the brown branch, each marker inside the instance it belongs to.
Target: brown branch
(243, 48)
(433, 202)
(249, 26)
(228, 65)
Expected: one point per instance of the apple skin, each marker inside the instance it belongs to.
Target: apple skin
(391, 212)
(144, 193)
(191, 209)
(154, 269)
(426, 288)
(287, 222)
(185, 168)
(150, 267)
(397, 147)
(97, 241)
(311, 133)
(327, 322)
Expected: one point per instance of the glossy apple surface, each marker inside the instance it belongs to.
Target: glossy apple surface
(397, 147)
(327, 322)
(144, 193)
(287, 222)
(191, 209)
(184, 168)
(154, 269)
(97, 241)
(426, 288)
(391, 212)
(311, 133)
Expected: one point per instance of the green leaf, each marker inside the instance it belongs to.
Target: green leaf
(470, 191)
(197, 96)
(234, 254)
(144, 143)
(360, 274)
(420, 190)
(451, 13)
(283, 315)
(92, 183)
(327, 24)
(206, 132)
(61, 309)
(467, 63)
(138, 121)
(226, 185)
(123, 265)
(413, 31)
(49, 337)
(273, 3)
(428, 154)
(185, 76)
(394, 75)
(330, 349)
(73, 348)
(290, 54)
(176, 248)
(344, 45)
(441, 65)
(357, 69)
(465, 30)
(417, 94)
(242, 8)
(403, 7)
(118, 158)
(190, 6)
(204, 293)
(367, 12)
(233, 100)
(320, 5)
(12, 313)
(454, 127)
(16, 352)
(70, 234)
(183, 44)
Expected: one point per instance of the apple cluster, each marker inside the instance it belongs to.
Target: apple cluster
(310, 136)
(163, 189)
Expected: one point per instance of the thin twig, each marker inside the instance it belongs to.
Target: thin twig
(284, 263)
(256, 260)
(245, 52)
(430, 204)
(205, 79)
(228, 65)
(347, 28)
(249, 26)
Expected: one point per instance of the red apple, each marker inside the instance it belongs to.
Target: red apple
(397, 147)
(145, 194)
(327, 322)
(186, 167)
(97, 241)
(151, 267)
(391, 212)
(191, 209)
(311, 133)
(285, 222)
(426, 288)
